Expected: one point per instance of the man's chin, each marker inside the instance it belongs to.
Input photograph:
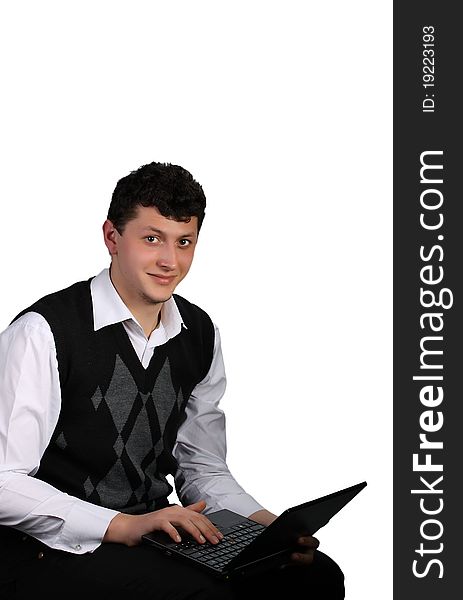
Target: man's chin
(153, 300)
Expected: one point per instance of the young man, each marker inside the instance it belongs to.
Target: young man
(108, 386)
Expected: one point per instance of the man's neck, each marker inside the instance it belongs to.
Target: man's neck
(149, 321)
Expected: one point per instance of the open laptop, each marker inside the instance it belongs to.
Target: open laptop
(248, 547)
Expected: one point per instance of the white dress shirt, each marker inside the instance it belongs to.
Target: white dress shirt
(30, 402)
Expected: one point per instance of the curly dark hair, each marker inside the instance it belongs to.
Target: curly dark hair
(170, 188)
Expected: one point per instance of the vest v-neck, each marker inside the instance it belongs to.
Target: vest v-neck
(128, 354)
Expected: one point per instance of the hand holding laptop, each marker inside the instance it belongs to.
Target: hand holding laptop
(304, 544)
(304, 553)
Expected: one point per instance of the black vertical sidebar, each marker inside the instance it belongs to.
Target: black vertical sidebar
(428, 302)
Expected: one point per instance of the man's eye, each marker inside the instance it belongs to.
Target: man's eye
(184, 243)
(151, 239)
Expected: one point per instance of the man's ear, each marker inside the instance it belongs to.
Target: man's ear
(110, 234)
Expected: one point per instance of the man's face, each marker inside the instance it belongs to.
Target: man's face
(151, 256)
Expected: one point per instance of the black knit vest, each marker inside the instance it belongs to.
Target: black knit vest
(113, 442)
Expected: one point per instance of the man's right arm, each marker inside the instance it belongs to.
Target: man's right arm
(30, 402)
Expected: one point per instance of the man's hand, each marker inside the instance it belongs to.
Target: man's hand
(307, 544)
(306, 548)
(128, 529)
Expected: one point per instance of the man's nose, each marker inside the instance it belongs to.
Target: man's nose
(167, 257)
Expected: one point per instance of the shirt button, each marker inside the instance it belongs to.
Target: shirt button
(40, 555)
(77, 547)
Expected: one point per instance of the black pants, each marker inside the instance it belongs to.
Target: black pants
(29, 569)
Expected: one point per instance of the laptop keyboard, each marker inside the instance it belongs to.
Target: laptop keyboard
(219, 555)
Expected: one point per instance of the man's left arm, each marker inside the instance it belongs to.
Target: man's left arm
(201, 449)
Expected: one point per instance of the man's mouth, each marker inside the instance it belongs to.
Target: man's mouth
(162, 279)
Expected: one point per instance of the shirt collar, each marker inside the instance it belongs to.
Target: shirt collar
(109, 308)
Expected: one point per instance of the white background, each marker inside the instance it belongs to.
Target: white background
(283, 112)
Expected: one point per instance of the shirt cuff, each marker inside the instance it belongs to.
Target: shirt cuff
(220, 493)
(243, 504)
(84, 528)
